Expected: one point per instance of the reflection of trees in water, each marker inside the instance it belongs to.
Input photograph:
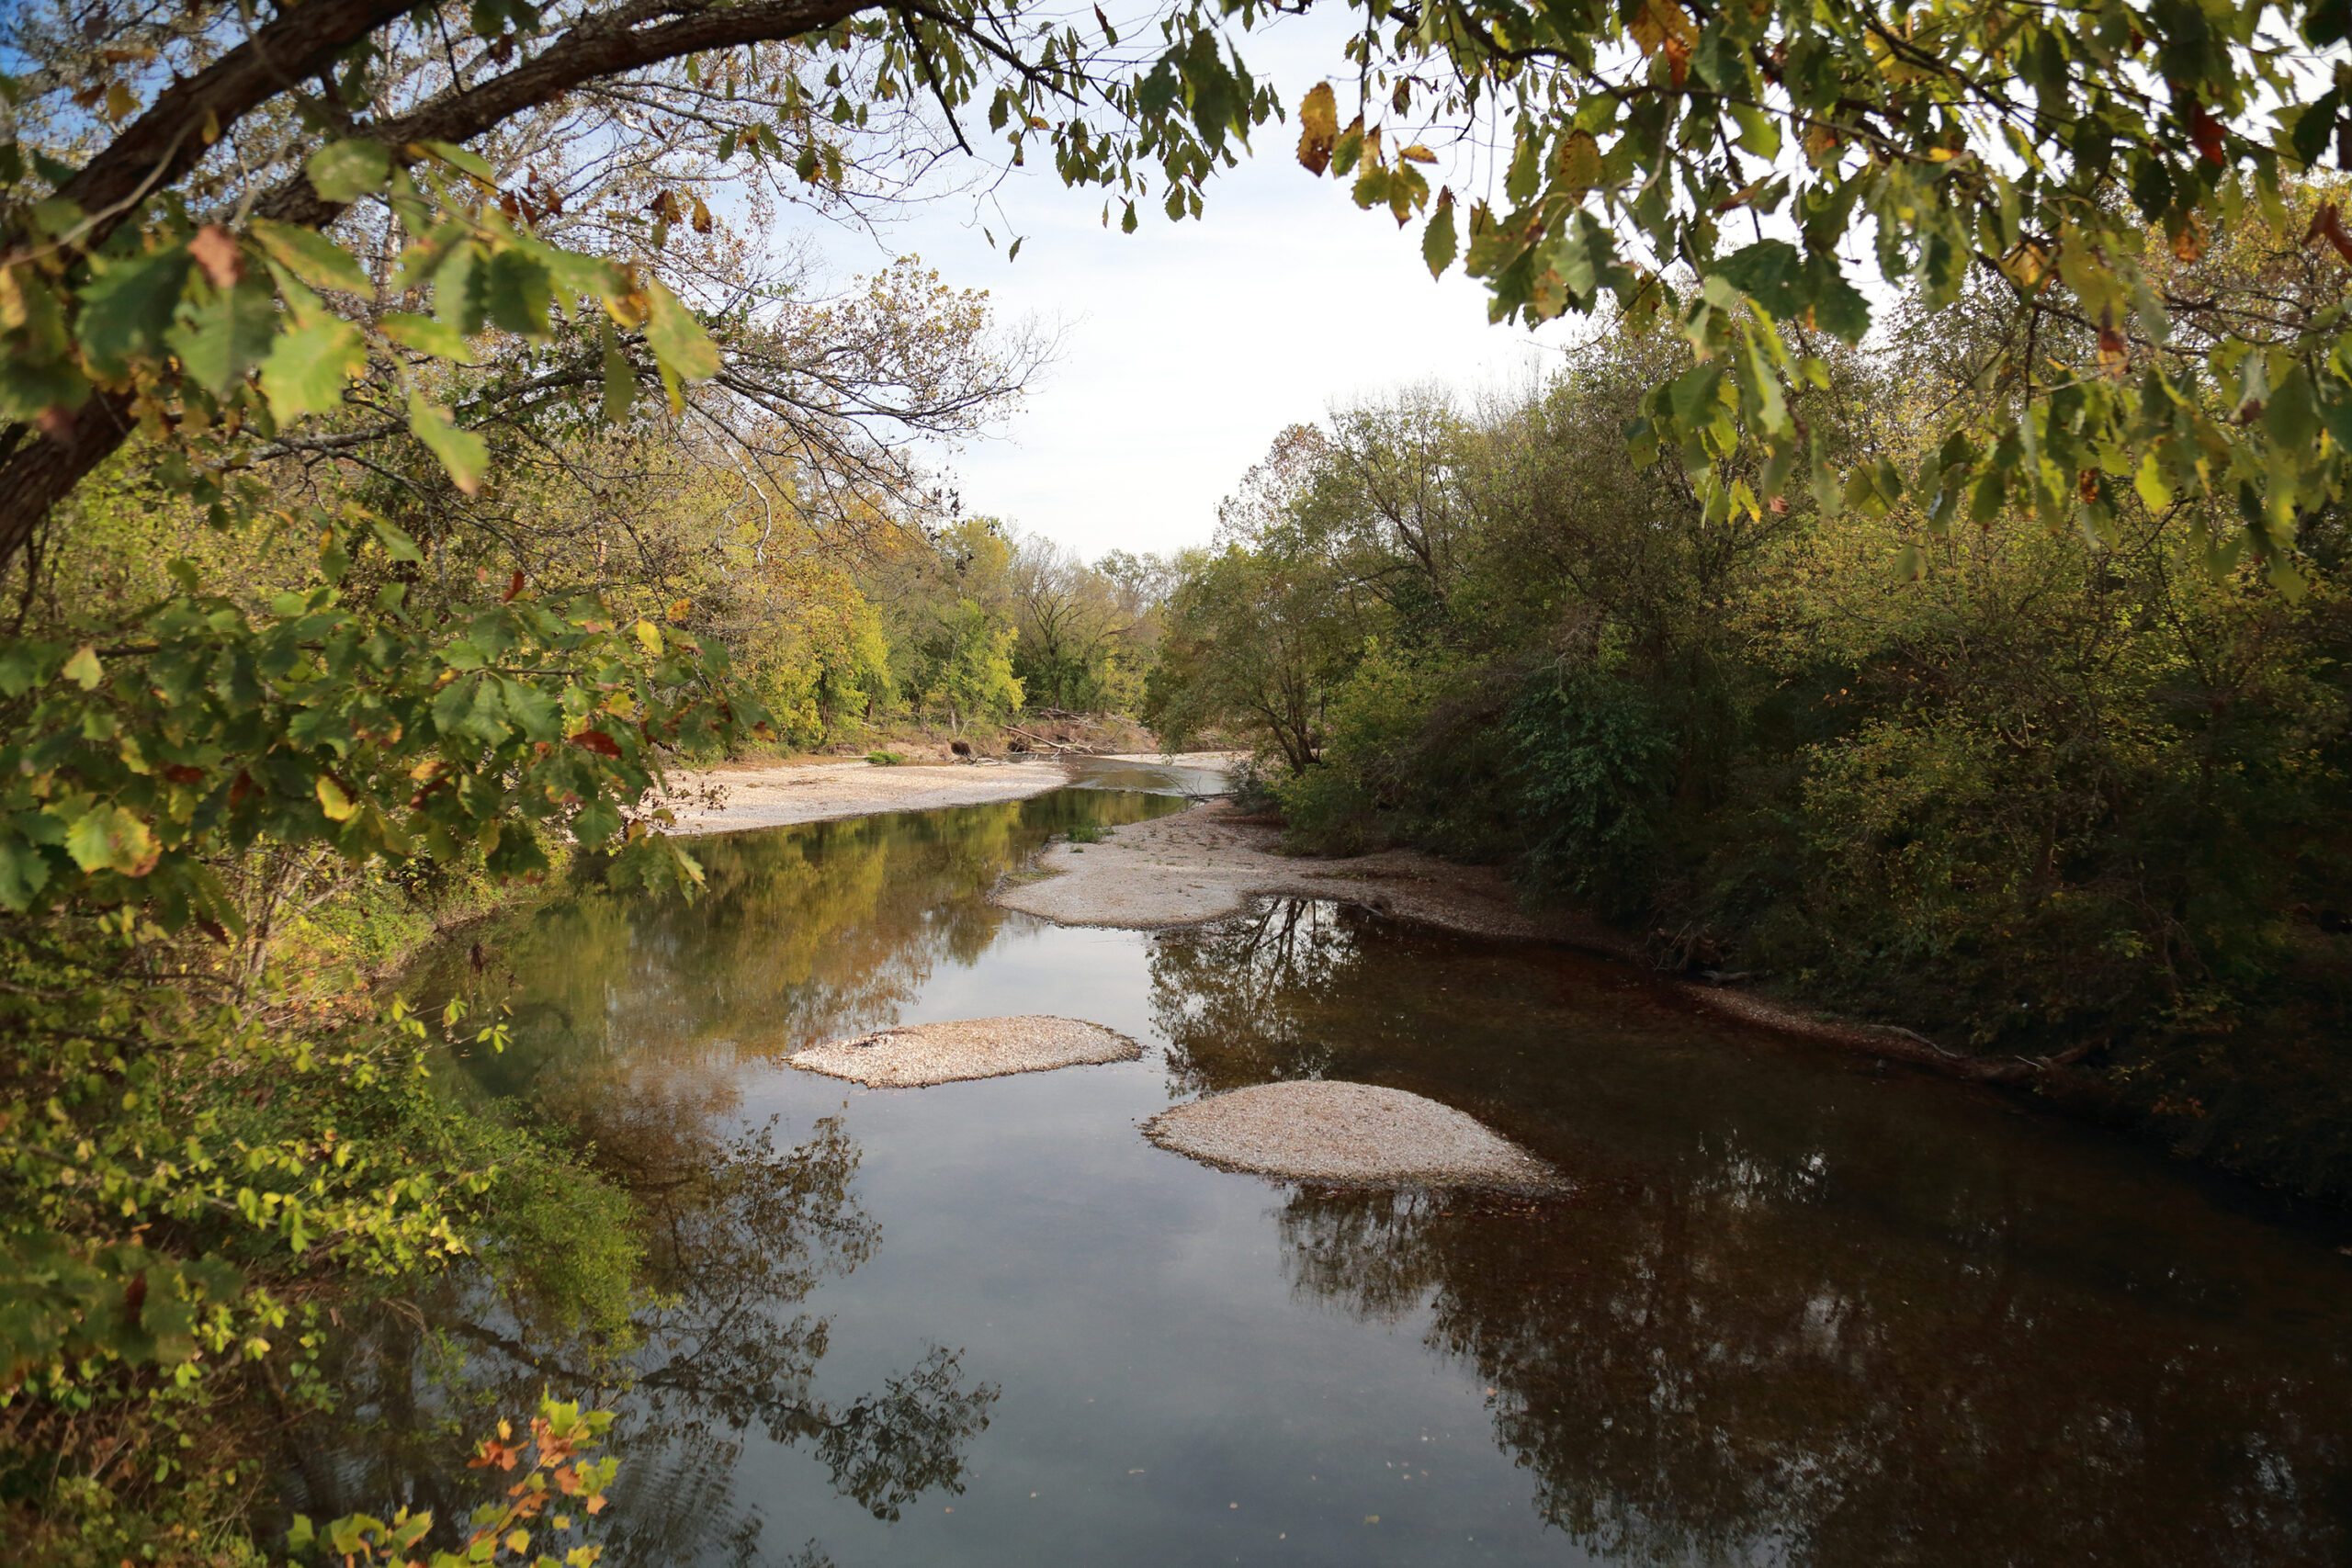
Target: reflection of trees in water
(800, 934)
(1241, 1001)
(1774, 1328)
(739, 1234)
(1687, 1377)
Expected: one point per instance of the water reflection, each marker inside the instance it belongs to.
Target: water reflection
(800, 934)
(627, 1016)
(1796, 1311)
(1778, 1328)
(740, 1232)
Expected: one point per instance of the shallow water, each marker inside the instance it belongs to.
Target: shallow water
(1800, 1309)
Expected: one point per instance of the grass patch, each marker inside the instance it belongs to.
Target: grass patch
(886, 759)
(1089, 833)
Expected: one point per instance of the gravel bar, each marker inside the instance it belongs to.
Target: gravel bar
(1354, 1135)
(916, 1056)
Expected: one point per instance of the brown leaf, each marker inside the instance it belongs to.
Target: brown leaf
(2206, 132)
(493, 1452)
(514, 586)
(596, 740)
(2327, 224)
(2113, 350)
(215, 250)
(1318, 127)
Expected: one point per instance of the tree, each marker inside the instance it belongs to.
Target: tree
(2034, 148)
(1085, 633)
(170, 176)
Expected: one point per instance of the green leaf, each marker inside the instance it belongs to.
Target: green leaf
(345, 170)
(227, 336)
(1836, 307)
(23, 871)
(30, 388)
(677, 338)
(457, 158)
(575, 274)
(2292, 414)
(461, 452)
(518, 293)
(397, 544)
(1440, 242)
(106, 838)
(83, 669)
(1769, 272)
(620, 378)
(427, 336)
(1759, 131)
(312, 257)
(307, 367)
(127, 309)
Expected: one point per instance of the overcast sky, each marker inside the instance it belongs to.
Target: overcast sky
(1189, 346)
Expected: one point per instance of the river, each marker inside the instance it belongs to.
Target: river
(1799, 1309)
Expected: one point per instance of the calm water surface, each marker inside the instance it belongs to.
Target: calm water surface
(1800, 1309)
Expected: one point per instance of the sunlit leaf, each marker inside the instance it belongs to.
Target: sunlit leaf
(462, 453)
(345, 170)
(307, 367)
(311, 257)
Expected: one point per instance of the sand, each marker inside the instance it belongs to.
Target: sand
(1205, 865)
(780, 794)
(1354, 1135)
(916, 1056)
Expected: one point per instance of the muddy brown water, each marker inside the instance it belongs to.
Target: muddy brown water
(1800, 1309)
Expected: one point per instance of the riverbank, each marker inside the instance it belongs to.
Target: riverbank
(741, 795)
(1209, 862)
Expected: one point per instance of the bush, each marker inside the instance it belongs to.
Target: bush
(1593, 764)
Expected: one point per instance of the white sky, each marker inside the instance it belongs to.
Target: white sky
(1188, 347)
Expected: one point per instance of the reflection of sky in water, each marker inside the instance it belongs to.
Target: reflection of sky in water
(1802, 1310)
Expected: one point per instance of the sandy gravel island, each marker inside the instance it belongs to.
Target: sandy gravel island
(1348, 1132)
(780, 794)
(915, 1056)
(1205, 863)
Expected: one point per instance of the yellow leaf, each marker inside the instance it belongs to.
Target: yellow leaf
(120, 103)
(1580, 162)
(650, 635)
(1318, 122)
(334, 801)
(1417, 153)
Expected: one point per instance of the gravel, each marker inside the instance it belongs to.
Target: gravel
(1355, 1135)
(914, 1055)
(1207, 864)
